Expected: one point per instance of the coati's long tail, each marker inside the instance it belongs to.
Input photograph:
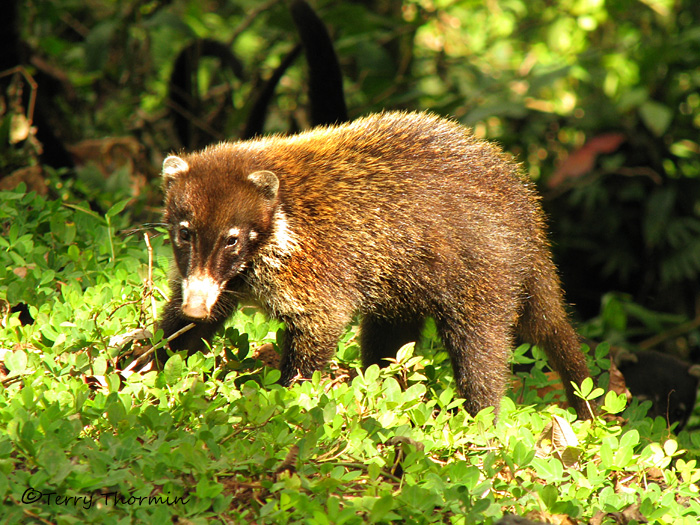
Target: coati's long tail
(544, 322)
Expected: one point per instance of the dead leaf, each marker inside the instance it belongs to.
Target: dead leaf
(582, 160)
(267, 354)
(129, 337)
(555, 386)
(558, 439)
(20, 127)
(620, 518)
(562, 434)
(32, 176)
(290, 462)
(617, 381)
(20, 271)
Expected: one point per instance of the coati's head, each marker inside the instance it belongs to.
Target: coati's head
(218, 216)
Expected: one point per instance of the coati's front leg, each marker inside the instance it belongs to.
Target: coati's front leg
(308, 345)
(192, 340)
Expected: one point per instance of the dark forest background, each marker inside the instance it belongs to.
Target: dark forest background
(599, 101)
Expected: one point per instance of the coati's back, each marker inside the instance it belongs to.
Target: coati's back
(386, 182)
(395, 216)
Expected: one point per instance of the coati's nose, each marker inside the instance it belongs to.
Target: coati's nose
(199, 294)
(195, 309)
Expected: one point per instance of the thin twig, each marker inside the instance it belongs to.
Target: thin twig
(670, 333)
(252, 15)
(163, 342)
(149, 277)
(20, 70)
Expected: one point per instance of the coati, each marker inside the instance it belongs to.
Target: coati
(395, 217)
(668, 382)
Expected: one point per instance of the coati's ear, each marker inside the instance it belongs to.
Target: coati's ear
(267, 182)
(173, 167)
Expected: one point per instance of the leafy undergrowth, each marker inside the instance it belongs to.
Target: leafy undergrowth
(84, 438)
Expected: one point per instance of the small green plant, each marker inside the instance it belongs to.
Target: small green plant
(213, 438)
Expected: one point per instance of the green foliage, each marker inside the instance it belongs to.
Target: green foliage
(83, 441)
(621, 320)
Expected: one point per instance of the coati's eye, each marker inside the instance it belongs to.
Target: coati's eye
(183, 234)
(232, 239)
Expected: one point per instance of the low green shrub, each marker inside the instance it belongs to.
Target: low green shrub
(213, 438)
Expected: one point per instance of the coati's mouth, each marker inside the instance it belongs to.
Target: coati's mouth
(199, 294)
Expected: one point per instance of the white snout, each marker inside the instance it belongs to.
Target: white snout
(199, 294)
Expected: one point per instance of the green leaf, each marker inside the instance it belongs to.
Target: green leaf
(629, 439)
(405, 352)
(607, 452)
(587, 389)
(656, 116)
(613, 403)
(116, 412)
(382, 506)
(208, 489)
(117, 208)
(371, 374)
(550, 469)
(172, 371)
(670, 447)
(16, 362)
(99, 366)
(522, 454)
(549, 495)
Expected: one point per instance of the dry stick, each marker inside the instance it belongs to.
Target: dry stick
(668, 334)
(162, 343)
(200, 123)
(20, 70)
(9, 380)
(149, 277)
(252, 15)
(149, 284)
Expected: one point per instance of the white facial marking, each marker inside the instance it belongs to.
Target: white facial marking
(283, 242)
(199, 294)
(234, 232)
(282, 236)
(252, 235)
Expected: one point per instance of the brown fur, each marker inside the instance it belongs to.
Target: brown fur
(395, 217)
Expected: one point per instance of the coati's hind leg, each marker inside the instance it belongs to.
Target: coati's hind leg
(381, 338)
(479, 347)
(544, 322)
